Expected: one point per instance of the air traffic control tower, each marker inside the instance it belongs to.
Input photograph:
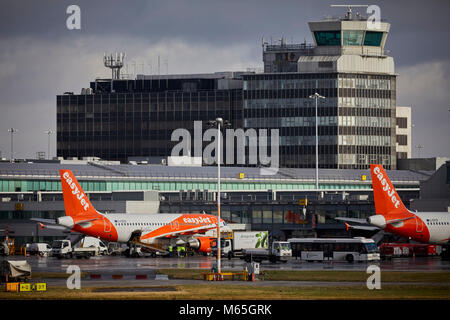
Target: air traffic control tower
(348, 45)
(349, 66)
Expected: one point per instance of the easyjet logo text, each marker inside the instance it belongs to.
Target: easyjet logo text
(386, 187)
(75, 191)
(197, 220)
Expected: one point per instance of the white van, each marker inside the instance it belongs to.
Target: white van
(42, 249)
(89, 242)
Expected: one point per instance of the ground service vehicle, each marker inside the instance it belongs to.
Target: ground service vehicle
(64, 249)
(278, 251)
(42, 249)
(242, 240)
(392, 250)
(115, 248)
(335, 249)
(92, 242)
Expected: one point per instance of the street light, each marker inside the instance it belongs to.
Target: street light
(317, 96)
(49, 132)
(12, 131)
(224, 123)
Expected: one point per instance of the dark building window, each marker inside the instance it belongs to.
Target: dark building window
(373, 38)
(402, 155)
(402, 123)
(402, 139)
(328, 38)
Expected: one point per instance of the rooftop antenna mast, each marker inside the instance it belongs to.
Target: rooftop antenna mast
(349, 7)
(115, 63)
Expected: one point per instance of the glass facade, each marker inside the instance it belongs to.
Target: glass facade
(373, 38)
(349, 38)
(328, 38)
(352, 37)
(109, 185)
(356, 121)
(115, 126)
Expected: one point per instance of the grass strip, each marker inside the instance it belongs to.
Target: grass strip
(239, 292)
(322, 275)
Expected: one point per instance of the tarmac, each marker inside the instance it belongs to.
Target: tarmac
(134, 272)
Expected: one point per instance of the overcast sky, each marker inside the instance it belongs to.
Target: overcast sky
(41, 58)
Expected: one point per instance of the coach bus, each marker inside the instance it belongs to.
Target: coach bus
(335, 249)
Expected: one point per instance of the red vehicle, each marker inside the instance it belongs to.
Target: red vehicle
(389, 250)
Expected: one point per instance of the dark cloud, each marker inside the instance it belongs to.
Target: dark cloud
(40, 57)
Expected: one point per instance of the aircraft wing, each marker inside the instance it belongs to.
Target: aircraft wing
(46, 221)
(369, 228)
(48, 224)
(355, 220)
(359, 221)
(51, 224)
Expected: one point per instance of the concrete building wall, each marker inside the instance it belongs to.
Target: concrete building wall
(402, 130)
(422, 164)
(434, 192)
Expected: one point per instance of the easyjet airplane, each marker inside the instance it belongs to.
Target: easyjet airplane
(151, 230)
(392, 215)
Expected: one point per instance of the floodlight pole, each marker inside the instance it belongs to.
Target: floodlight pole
(48, 132)
(12, 131)
(317, 96)
(219, 122)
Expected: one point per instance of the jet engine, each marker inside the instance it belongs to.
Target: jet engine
(377, 220)
(201, 244)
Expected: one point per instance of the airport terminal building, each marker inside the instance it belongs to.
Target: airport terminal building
(116, 119)
(275, 203)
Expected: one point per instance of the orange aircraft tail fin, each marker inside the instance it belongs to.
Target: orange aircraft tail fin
(75, 200)
(387, 200)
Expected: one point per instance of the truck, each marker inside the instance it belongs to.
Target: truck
(92, 242)
(63, 249)
(278, 251)
(41, 249)
(240, 240)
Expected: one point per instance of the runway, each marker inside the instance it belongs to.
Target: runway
(119, 271)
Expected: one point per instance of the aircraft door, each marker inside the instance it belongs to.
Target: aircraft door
(106, 225)
(419, 225)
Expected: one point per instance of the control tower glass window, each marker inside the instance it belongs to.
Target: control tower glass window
(328, 38)
(373, 38)
(352, 37)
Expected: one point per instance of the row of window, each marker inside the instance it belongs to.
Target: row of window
(348, 38)
(361, 83)
(307, 140)
(341, 101)
(363, 102)
(26, 186)
(289, 122)
(277, 84)
(210, 94)
(378, 122)
(280, 103)
(360, 140)
(363, 159)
